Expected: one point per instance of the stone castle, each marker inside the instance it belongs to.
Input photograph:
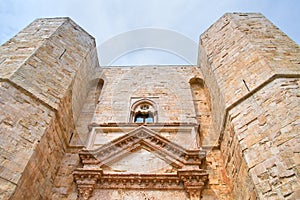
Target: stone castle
(227, 128)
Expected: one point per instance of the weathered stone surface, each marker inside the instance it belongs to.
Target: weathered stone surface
(167, 85)
(225, 129)
(232, 53)
(137, 195)
(252, 70)
(37, 73)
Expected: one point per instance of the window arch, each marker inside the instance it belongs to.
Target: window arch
(143, 111)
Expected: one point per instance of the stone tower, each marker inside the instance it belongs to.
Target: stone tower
(227, 128)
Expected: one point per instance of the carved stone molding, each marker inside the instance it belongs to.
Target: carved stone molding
(193, 181)
(142, 136)
(86, 180)
(141, 181)
(187, 176)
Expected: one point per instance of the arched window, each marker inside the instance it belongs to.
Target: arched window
(143, 111)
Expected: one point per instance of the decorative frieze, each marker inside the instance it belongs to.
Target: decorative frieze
(187, 176)
(192, 181)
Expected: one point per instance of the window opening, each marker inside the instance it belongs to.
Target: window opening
(143, 112)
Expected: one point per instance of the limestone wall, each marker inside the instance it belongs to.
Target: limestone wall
(138, 194)
(49, 97)
(268, 134)
(37, 73)
(201, 99)
(239, 181)
(219, 185)
(88, 106)
(167, 86)
(20, 133)
(254, 68)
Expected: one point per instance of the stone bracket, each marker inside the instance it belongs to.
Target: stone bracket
(86, 180)
(193, 181)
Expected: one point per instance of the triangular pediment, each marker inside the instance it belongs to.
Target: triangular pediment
(140, 160)
(125, 162)
(143, 137)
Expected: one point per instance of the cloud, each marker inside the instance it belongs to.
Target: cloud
(104, 19)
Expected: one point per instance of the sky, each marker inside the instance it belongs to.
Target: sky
(178, 20)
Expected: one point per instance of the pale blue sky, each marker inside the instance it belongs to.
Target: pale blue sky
(107, 18)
